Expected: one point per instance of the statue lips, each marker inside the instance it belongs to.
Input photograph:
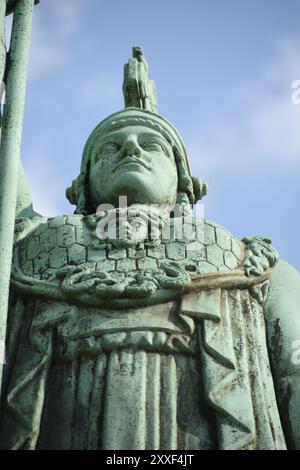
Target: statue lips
(131, 161)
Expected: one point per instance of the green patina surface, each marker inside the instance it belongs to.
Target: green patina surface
(146, 341)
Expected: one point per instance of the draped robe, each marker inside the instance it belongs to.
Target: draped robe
(191, 373)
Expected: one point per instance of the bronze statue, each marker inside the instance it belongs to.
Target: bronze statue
(138, 326)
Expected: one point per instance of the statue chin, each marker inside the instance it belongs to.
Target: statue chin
(139, 187)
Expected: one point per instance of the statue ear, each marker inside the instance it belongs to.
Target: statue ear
(78, 195)
(72, 192)
(199, 187)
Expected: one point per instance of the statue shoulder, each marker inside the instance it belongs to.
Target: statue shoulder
(282, 313)
(42, 245)
(285, 281)
(223, 250)
(282, 310)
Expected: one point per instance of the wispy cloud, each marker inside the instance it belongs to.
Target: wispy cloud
(98, 88)
(66, 15)
(266, 127)
(50, 33)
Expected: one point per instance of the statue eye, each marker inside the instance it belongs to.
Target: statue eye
(152, 146)
(108, 149)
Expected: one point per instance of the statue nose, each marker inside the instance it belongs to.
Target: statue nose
(131, 147)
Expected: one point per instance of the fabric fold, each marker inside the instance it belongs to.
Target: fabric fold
(126, 397)
(235, 366)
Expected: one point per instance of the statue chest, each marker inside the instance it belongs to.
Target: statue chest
(64, 253)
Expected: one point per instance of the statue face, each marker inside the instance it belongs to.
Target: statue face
(136, 162)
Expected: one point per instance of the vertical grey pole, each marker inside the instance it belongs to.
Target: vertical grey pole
(2, 52)
(2, 38)
(10, 148)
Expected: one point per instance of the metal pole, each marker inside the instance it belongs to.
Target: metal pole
(2, 38)
(10, 147)
(2, 54)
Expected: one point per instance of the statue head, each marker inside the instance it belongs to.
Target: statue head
(135, 153)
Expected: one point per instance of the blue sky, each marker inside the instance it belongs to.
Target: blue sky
(223, 70)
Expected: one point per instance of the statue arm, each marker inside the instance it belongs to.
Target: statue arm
(282, 313)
